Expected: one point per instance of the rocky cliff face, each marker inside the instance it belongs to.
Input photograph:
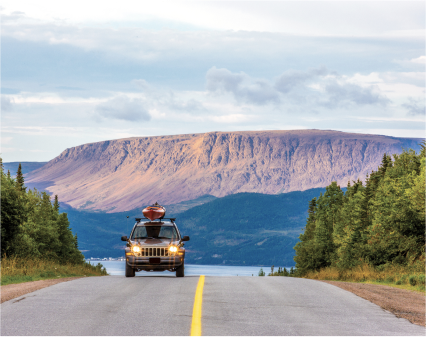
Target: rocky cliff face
(124, 174)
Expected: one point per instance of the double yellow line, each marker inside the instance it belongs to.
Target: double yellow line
(196, 312)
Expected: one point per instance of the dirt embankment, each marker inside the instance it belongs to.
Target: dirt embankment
(402, 303)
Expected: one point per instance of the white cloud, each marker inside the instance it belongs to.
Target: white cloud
(245, 89)
(6, 103)
(313, 87)
(294, 17)
(125, 108)
(415, 107)
(419, 60)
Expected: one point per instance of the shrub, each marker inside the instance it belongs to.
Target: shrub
(412, 280)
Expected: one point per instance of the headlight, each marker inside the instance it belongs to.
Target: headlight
(136, 249)
(173, 249)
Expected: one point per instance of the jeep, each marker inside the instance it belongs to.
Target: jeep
(155, 246)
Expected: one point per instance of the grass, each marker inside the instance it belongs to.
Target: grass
(18, 270)
(410, 277)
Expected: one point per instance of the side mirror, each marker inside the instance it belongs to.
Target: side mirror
(124, 238)
(185, 238)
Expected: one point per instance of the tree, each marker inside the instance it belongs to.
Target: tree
(20, 179)
(12, 214)
(56, 204)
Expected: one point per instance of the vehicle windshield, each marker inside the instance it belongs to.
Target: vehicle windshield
(155, 232)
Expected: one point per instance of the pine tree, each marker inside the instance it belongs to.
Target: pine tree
(20, 179)
(56, 204)
(423, 149)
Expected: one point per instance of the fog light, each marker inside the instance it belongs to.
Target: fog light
(136, 249)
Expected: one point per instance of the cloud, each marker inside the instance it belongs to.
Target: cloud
(243, 88)
(419, 60)
(348, 93)
(414, 107)
(315, 86)
(295, 79)
(6, 103)
(124, 108)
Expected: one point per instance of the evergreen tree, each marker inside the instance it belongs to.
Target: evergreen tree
(383, 222)
(12, 214)
(20, 179)
(423, 149)
(56, 204)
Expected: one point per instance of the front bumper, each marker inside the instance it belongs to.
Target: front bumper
(165, 262)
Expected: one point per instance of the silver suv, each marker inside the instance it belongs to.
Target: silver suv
(155, 246)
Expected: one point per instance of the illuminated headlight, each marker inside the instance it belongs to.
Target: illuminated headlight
(173, 249)
(136, 249)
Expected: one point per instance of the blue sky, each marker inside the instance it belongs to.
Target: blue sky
(85, 71)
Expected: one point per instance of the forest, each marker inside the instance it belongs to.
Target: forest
(34, 233)
(379, 223)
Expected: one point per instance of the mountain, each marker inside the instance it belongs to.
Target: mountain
(26, 166)
(239, 229)
(124, 174)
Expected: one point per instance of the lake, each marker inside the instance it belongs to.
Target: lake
(118, 268)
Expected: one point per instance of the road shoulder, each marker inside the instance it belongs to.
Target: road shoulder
(11, 291)
(402, 303)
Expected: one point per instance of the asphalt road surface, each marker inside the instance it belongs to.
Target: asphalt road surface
(115, 305)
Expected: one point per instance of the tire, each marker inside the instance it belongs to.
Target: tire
(130, 272)
(180, 271)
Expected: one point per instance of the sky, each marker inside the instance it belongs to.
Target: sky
(76, 72)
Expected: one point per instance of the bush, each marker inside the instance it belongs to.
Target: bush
(261, 272)
(412, 280)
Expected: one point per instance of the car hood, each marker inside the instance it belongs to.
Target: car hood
(155, 242)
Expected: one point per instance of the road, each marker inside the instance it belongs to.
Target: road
(115, 305)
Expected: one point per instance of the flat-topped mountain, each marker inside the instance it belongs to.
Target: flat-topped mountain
(124, 174)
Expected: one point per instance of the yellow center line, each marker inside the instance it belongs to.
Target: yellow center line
(196, 312)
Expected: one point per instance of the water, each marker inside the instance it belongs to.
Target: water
(118, 268)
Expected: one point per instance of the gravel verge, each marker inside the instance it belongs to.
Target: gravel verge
(11, 291)
(402, 303)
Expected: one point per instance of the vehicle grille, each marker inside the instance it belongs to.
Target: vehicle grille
(154, 251)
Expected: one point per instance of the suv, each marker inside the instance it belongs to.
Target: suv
(155, 246)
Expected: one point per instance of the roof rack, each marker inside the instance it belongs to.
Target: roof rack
(139, 219)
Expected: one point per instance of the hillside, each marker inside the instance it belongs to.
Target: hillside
(124, 174)
(26, 166)
(230, 230)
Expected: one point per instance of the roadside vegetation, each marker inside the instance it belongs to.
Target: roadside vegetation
(36, 241)
(372, 232)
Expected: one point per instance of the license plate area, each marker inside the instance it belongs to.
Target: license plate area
(154, 260)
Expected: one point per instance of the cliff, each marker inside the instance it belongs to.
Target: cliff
(124, 174)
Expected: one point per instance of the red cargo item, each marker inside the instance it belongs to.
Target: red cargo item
(154, 212)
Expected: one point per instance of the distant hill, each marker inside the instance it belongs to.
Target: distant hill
(27, 166)
(240, 229)
(124, 174)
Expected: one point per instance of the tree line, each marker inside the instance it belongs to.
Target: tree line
(32, 226)
(379, 222)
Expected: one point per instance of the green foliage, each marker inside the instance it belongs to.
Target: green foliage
(16, 269)
(378, 223)
(31, 226)
(261, 272)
